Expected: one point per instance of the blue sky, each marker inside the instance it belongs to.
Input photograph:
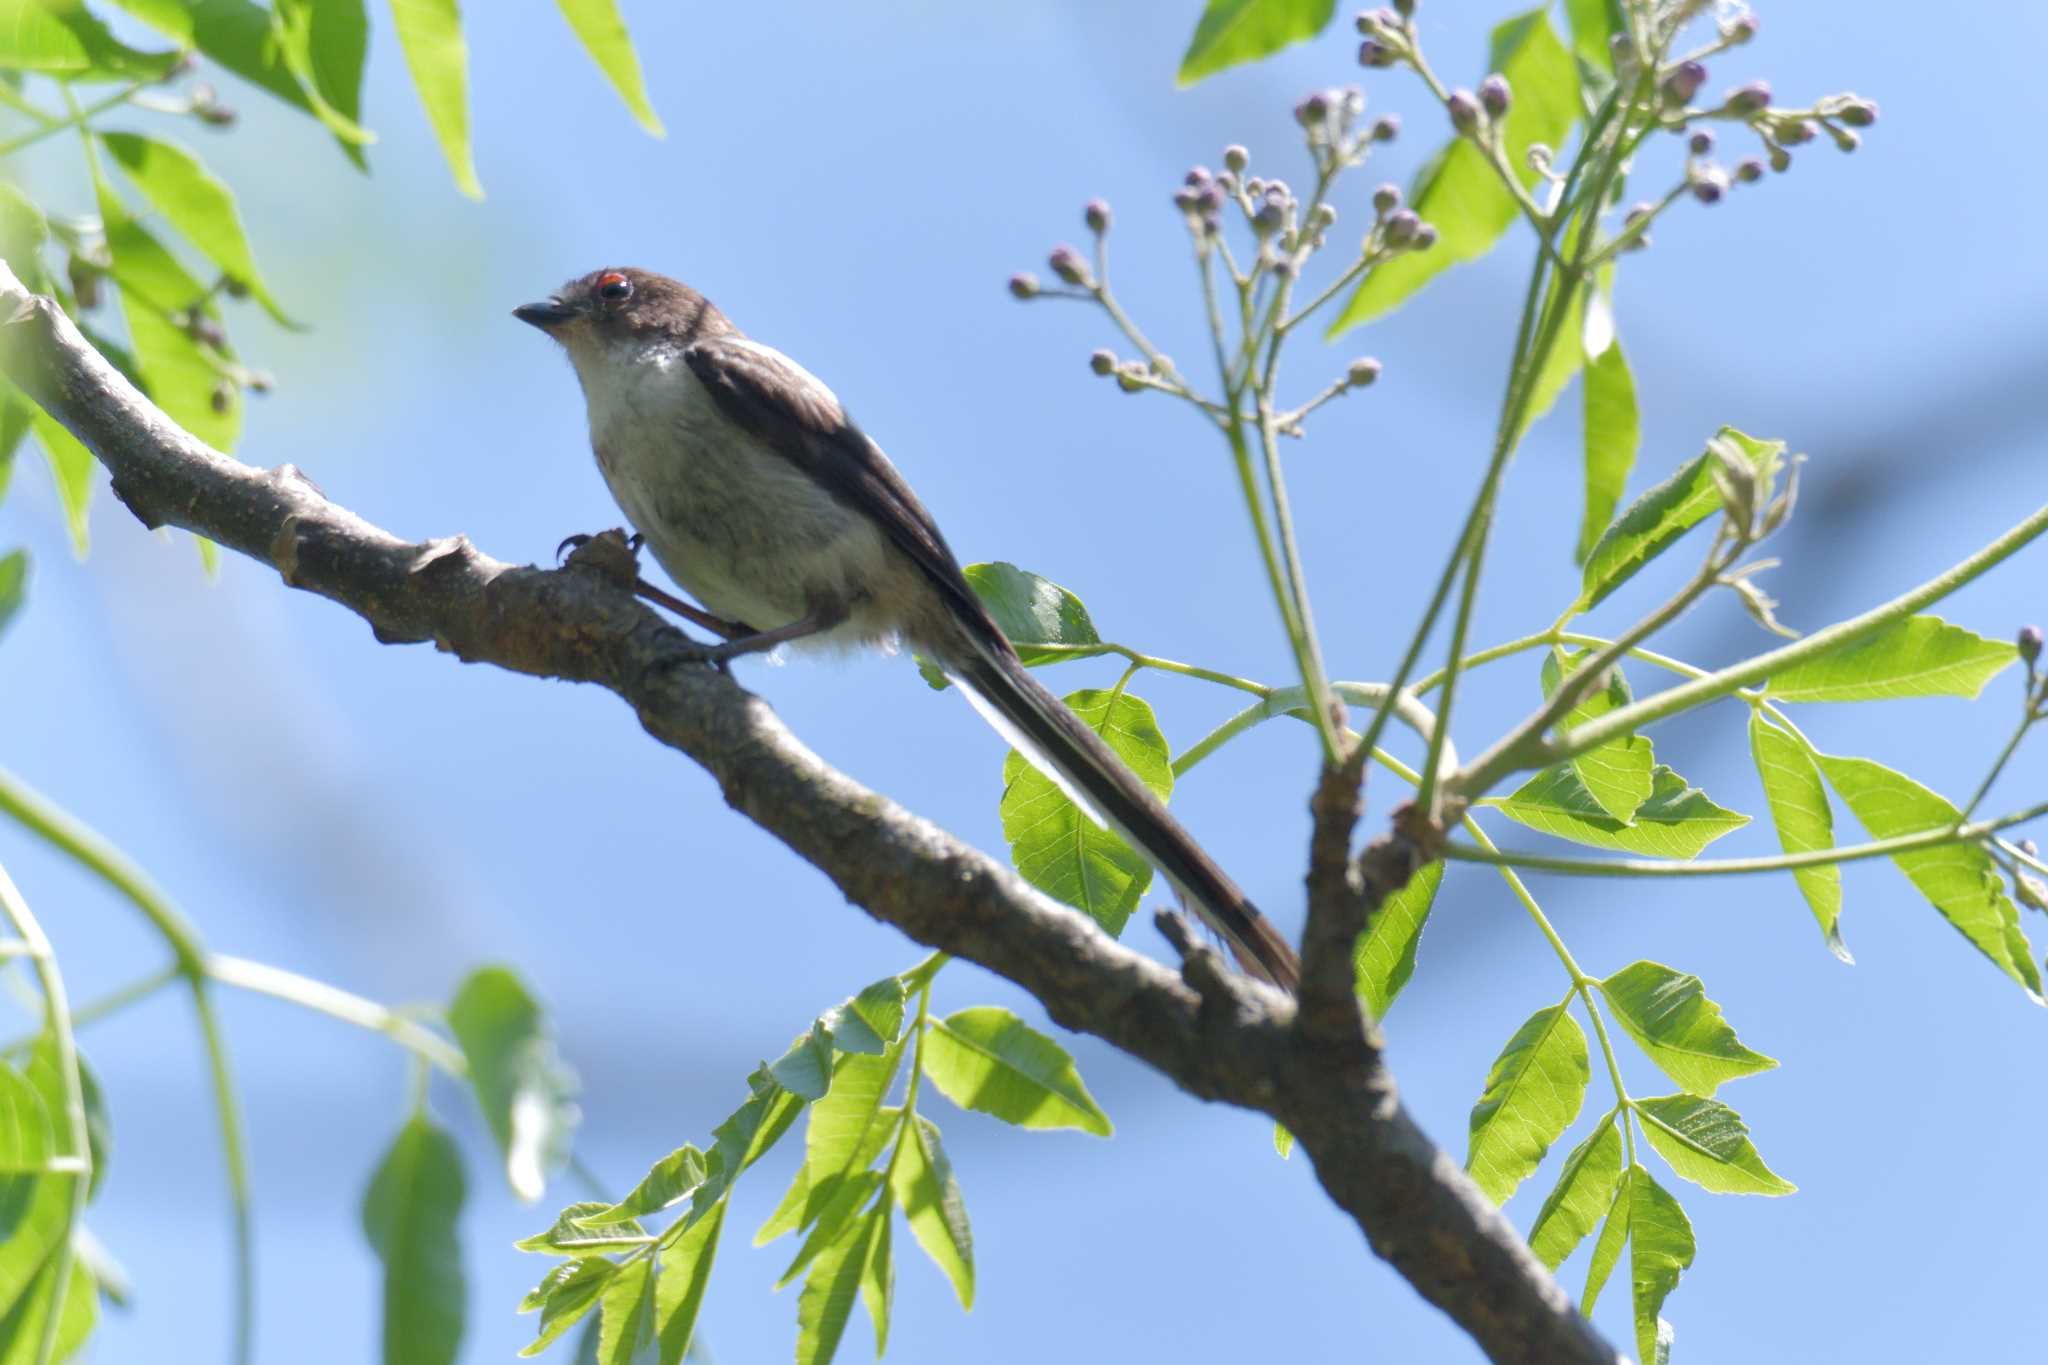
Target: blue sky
(853, 184)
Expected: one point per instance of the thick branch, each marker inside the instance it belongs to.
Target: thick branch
(1235, 1044)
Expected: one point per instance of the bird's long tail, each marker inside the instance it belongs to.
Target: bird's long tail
(1060, 744)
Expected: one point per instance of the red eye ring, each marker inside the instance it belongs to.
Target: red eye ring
(614, 287)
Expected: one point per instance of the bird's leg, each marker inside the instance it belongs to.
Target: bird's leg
(815, 622)
(617, 556)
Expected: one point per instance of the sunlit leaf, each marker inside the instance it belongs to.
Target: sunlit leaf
(27, 1141)
(1584, 1190)
(1608, 1247)
(250, 41)
(1706, 1142)
(571, 1235)
(525, 1089)
(430, 32)
(1385, 956)
(325, 43)
(568, 1293)
(830, 1290)
(1682, 1031)
(1660, 1247)
(23, 1325)
(1805, 820)
(603, 34)
(13, 585)
(1655, 521)
(1457, 190)
(679, 1292)
(1676, 822)
(1921, 656)
(1056, 846)
(1532, 1095)
(196, 202)
(409, 1216)
(64, 38)
(1613, 433)
(1620, 775)
(625, 1334)
(1232, 32)
(878, 1275)
(71, 470)
(668, 1181)
(987, 1059)
(1960, 879)
(921, 1179)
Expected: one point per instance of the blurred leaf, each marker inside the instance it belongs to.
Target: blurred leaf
(525, 1089)
(1563, 363)
(1660, 1247)
(1594, 24)
(325, 43)
(1232, 32)
(626, 1331)
(63, 38)
(13, 585)
(21, 1330)
(1706, 1142)
(1457, 190)
(1532, 1095)
(1921, 656)
(251, 42)
(1676, 822)
(1283, 1141)
(1057, 846)
(668, 1181)
(571, 1235)
(27, 1141)
(921, 1179)
(567, 1293)
(1805, 820)
(109, 1276)
(71, 470)
(197, 203)
(430, 31)
(409, 1216)
(1960, 879)
(23, 231)
(1672, 1020)
(46, 1076)
(1620, 775)
(603, 34)
(1613, 434)
(987, 1059)
(1659, 517)
(679, 1292)
(1584, 1190)
(1385, 956)
(16, 413)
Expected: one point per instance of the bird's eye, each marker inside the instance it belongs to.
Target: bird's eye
(613, 287)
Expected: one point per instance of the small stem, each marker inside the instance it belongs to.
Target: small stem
(2019, 733)
(75, 118)
(120, 998)
(262, 979)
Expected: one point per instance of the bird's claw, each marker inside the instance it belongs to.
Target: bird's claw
(610, 553)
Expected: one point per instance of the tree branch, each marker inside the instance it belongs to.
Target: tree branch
(1239, 1045)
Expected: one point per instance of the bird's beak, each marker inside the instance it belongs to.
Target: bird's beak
(547, 315)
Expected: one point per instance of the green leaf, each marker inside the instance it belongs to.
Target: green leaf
(1613, 1237)
(1532, 1095)
(71, 470)
(1613, 432)
(21, 1330)
(842, 1133)
(1594, 24)
(1233, 32)
(921, 1180)
(669, 1181)
(1921, 656)
(16, 412)
(867, 1022)
(1960, 879)
(1044, 621)
(1385, 956)
(569, 1292)
(850, 1193)
(1584, 1189)
(1283, 1141)
(1660, 1247)
(62, 38)
(1805, 820)
(1564, 361)
(829, 1291)
(1057, 846)
(750, 1131)
(1457, 191)
(625, 1333)
(1672, 1020)
(1676, 822)
(409, 1216)
(13, 585)
(197, 203)
(572, 1236)
(603, 34)
(679, 1292)
(181, 375)
(878, 1275)
(430, 31)
(46, 1076)
(27, 1141)
(987, 1059)
(250, 41)
(525, 1089)
(324, 44)
(1655, 521)
(806, 1069)
(1706, 1142)
(1621, 774)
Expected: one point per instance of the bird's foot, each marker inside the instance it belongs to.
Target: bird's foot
(612, 553)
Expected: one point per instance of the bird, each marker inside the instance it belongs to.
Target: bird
(755, 491)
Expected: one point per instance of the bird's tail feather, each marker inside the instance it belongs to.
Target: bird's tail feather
(1059, 744)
